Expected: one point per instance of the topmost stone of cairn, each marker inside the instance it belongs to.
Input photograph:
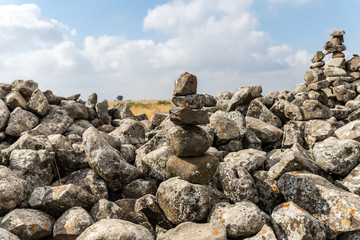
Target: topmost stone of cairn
(337, 33)
(186, 84)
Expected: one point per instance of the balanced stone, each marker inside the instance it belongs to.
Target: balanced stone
(186, 84)
(189, 116)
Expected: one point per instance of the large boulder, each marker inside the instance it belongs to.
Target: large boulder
(57, 120)
(250, 159)
(130, 132)
(244, 95)
(38, 103)
(20, 121)
(265, 132)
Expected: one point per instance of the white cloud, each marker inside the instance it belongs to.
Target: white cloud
(218, 41)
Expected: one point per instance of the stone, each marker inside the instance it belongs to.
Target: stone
(188, 140)
(122, 111)
(335, 72)
(265, 132)
(353, 64)
(20, 121)
(288, 215)
(258, 110)
(87, 179)
(6, 235)
(236, 183)
(337, 33)
(355, 115)
(336, 62)
(106, 162)
(343, 94)
(293, 112)
(102, 112)
(139, 187)
(24, 87)
(76, 110)
(337, 209)
(57, 120)
(318, 130)
(91, 101)
(293, 133)
(330, 48)
(4, 115)
(314, 109)
(182, 201)
(56, 200)
(72, 223)
(250, 140)
(115, 229)
(28, 223)
(193, 101)
(250, 159)
(241, 219)
(244, 95)
(266, 232)
(318, 85)
(189, 116)
(338, 55)
(319, 56)
(130, 132)
(200, 170)
(105, 209)
(352, 180)
(340, 112)
(157, 118)
(38, 103)
(186, 84)
(314, 75)
(349, 131)
(12, 190)
(196, 231)
(78, 127)
(337, 156)
(69, 161)
(14, 99)
(53, 99)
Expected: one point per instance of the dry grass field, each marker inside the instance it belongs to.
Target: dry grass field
(149, 107)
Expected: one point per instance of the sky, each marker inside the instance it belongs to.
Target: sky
(138, 48)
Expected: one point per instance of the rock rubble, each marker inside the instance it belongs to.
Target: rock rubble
(232, 166)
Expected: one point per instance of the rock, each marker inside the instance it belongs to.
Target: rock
(4, 115)
(38, 103)
(91, 101)
(200, 170)
(6, 235)
(196, 231)
(314, 75)
(250, 140)
(188, 140)
(102, 112)
(53, 99)
(69, 161)
(28, 223)
(241, 219)
(157, 118)
(250, 159)
(57, 120)
(105, 209)
(353, 64)
(293, 133)
(336, 62)
(318, 130)
(138, 188)
(122, 111)
(319, 56)
(244, 95)
(115, 229)
(265, 232)
(194, 101)
(76, 110)
(88, 180)
(12, 190)
(265, 132)
(189, 116)
(56, 200)
(182, 201)
(288, 215)
(337, 156)
(236, 183)
(25, 87)
(106, 162)
(20, 121)
(59, 141)
(352, 180)
(335, 208)
(14, 99)
(210, 101)
(258, 110)
(78, 127)
(343, 94)
(313, 109)
(72, 223)
(186, 84)
(130, 132)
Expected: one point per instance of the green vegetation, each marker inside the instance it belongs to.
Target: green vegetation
(162, 102)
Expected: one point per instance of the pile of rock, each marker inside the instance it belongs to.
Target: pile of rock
(235, 166)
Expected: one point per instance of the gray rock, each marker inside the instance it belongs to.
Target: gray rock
(76, 110)
(39, 130)
(258, 110)
(102, 112)
(236, 183)
(127, 152)
(69, 161)
(138, 188)
(6, 235)
(189, 116)
(186, 84)
(334, 72)
(188, 140)
(157, 118)
(194, 101)
(56, 200)
(335, 208)
(12, 190)
(265, 132)
(319, 56)
(353, 64)
(122, 111)
(57, 120)
(20, 121)
(28, 223)
(288, 214)
(14, 99)
(244, 95)
(72, 223)
(59, 141)
(4, 115)
(250, 159)
(318, 130)
(105, 209)
(53, 99)
(349, 131)
(293, 112)
(352, 180)
(313, 109)
(116, 229)
(38, 103)
(250, 140)
(91, 101)
(130, 132)
(78, 127)
(293, 133)
(241, 219)
(265, 232)
(25, 87)
(343, 94)
(314, 75)
(182, 201)
(196, 231)
(337, 156)
(200, 170)
(88, 180)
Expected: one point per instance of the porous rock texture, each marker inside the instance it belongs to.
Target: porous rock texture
(239, 165)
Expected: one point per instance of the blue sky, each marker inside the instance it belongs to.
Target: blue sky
(138, 48)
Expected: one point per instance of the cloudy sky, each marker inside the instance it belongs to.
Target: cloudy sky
(138, 48)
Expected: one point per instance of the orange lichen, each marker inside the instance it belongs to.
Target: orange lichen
(311, 195)
(200, 231)
(183, 105)
(286, 188)
(275, 189)
(222, 213)
(264, 231)
(222, 221)
(285, 205)
(300, 208)
(347, 222)
(33, 226)
(58, 190)
(352, 210)
(216, 232)
(46, 225)
(295, 174)
(302, 187)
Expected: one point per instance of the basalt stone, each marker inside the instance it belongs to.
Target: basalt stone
(76, 110)
(6, 235)
(186, 84)
(157, 118)
(314, 109)
(57, 120)
(200, 170)
(130, 132)
(189, 116)
(250, 140)
(244, 95)
(194, 101)
(4, 115)
(293, 133)
(352, 180)
(38, 103)
(122, 111)
(318, 130)
(14, 99)
(139, 187)
(105, 209)
(25, 87)
(265, 132)
(102, 112)
(56, 200)
(53, 99)
(78, 127)
(258, 110)
(196, 231)
(266, 232)
(288, 214)
(72, 223)
(343, 94)
(20, 121)
(91, 101)
(349, 131)
(188, 140)
(241, 219)
(250, 159)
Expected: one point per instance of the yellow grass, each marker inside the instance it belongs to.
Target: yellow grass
(149, 107)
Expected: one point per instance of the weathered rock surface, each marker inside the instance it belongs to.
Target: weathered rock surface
(186, 84)
(20, 121)
(189, 116)
(250, 159)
